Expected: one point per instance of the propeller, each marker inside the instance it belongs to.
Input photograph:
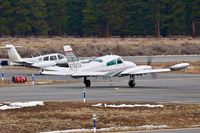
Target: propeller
(149, 62)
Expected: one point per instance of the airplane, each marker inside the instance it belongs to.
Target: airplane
(38, 61)
(106, 66)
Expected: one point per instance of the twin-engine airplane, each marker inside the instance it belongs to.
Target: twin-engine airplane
(38, 61)
(108, 66)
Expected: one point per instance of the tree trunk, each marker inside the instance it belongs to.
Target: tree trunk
(193, 29)
(158, 24)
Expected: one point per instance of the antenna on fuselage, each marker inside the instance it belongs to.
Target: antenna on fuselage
(110, 51)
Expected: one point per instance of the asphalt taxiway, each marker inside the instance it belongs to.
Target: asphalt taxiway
(167, 88)
(184, 130)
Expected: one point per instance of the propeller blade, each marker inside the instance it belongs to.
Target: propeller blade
(149, 60)
(154, 75)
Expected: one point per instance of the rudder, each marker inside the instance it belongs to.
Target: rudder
(12, 53)
(73, 61)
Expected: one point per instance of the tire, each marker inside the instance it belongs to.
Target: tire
(131, 84)
(87, 83)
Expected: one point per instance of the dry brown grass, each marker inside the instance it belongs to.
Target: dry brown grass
(75, 115)
(100, 46)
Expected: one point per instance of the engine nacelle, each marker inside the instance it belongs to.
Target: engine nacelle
(179, 66)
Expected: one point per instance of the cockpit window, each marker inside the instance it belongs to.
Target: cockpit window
(112, 62)
(119, 61)
(46, 58)
(98, 60)
(53, 57)
(60, 57)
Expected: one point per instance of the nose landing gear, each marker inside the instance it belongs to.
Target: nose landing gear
(131, 82)
(87, 82)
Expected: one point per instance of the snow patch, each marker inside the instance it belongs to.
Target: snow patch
(17, 105)
(110, 129)
(153, 127)
(127, 105)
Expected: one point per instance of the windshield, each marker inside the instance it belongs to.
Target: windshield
(61, 56)
(98, 60)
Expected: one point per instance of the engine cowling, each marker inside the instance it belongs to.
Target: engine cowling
(179, 66)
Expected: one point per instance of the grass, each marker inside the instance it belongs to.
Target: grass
(76, 115)
(101, 46)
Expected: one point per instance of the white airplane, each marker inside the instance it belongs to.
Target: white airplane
(109, 66)
(38, 61)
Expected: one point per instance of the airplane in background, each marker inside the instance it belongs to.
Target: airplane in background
(106, 66)
(38, 61)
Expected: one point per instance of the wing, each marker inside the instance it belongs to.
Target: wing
(151, 71)
(56, 71)
(89, 74)
(67, 71)
(23, 63)
(137, 70)
(41, 64)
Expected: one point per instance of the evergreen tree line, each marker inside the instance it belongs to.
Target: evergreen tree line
(101, 18)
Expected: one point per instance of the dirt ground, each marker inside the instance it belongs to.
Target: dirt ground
(100, 46)
(76, 115)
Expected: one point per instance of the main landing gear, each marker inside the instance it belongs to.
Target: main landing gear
(87, 82)
(131, 82)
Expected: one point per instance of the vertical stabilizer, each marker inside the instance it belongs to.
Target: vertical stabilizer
(73, 61)
(12, 53)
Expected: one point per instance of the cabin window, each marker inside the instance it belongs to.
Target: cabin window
(46, 58)
(112, 62)
(119, 61)
(53, 57)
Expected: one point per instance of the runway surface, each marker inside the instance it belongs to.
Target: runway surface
(186, 130)
(163, 58)
(167, 88)
(160, 58)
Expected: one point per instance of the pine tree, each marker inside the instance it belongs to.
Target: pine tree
(6, 19)
(75, 17)
(141, 19)
(22, 19)
(38, 15)
(95, 23)
(195, 16)
(56, 17)
(117, 23)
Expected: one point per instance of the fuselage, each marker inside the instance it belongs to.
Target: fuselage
(109, 63)
(44, 60)
(58, 58)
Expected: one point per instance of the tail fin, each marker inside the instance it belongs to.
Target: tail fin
(73, 61)
(12, 53)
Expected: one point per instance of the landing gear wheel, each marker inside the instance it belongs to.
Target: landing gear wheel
(87, 83)
(131, 84)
